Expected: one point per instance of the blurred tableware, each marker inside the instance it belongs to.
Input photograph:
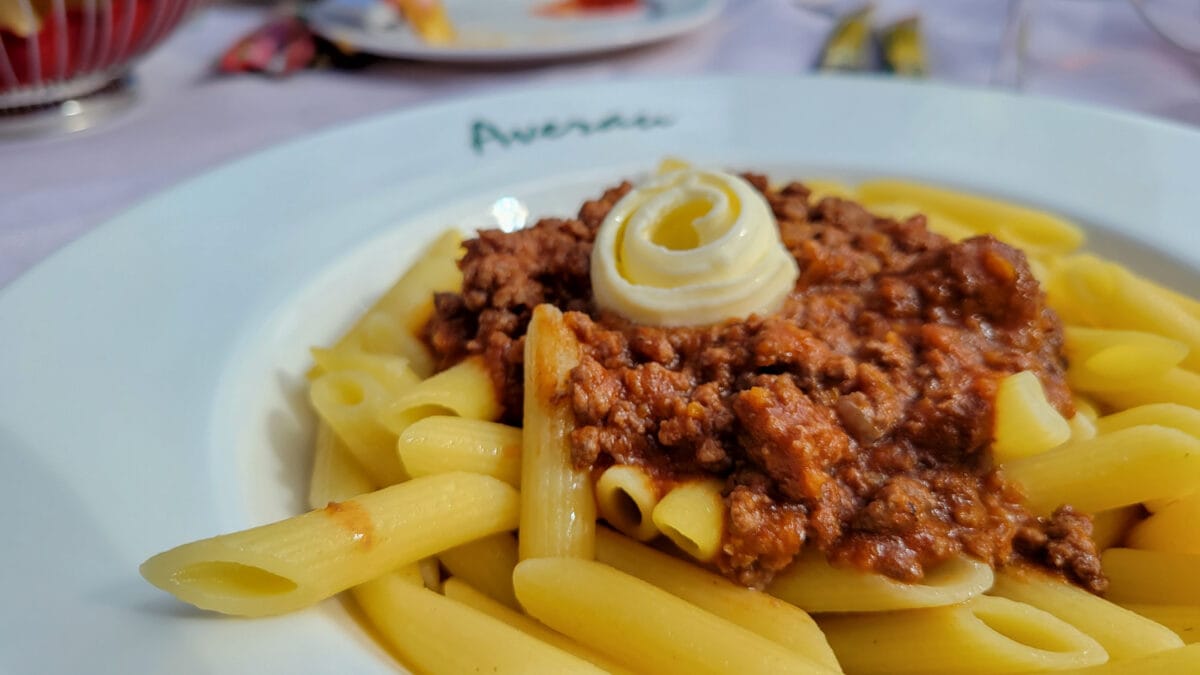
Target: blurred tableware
(903, 48)
(54, 52)
(1134, 49)
(850, 46)
(512, 30)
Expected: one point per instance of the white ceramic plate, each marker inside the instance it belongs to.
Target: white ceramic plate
(150, 372)
(492, 31)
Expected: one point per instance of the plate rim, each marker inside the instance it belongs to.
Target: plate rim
(418, 51)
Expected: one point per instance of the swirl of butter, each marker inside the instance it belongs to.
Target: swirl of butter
(691, 247)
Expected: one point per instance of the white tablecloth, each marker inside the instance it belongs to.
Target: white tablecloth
(53, 190)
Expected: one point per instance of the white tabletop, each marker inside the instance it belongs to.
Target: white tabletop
(53, 190)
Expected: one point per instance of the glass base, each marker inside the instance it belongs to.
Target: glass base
(68, 107)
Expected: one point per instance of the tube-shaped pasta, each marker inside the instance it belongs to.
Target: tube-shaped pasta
(1171, 415)
(443, 443)
(1122, 633)
(438, 635)
(349, 402)
(1086, 407)
(1178, 386)
(625, 497)
(390, 325)
(464, 389)
(1103, 359)
(1184, 620)
(692, 516)
(380, 333)
(393, 372)
(1110, 527)
(1034, 229)
(558, 510)
(411, 298)
(1181, 661)
(460, 591)
(1113, 297)
(336, 475)
(1124, 467)
(1026, 424)
(1175, 528)
(766, 615)
(486, 564)
(1082, 427)
(983, 635)
(296, 562)
(814, 585)
(1153, 577)
(663, 634)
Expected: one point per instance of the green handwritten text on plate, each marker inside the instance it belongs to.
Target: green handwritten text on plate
(487, 134)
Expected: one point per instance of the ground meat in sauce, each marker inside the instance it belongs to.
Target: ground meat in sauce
(856, 419)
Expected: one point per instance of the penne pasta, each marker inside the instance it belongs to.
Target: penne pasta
(1122, 633)
(1132, 349)
(1181, 661)
(1184, 620)
(487, 564)
(766, 615)
(336, 475)
(464, 389)
(591, 603)
(1178, 386)
(1086, 407)
(1170, 415)
(1112, 470)
(1034, 230)
(1174, 528)
(1152, 577)
(1025, 422)
(410, 299)
(1111, 296)
(983, 635)
(349, 402)
(692, 516)
(299, 561)
(442, 443)
(558, 510)
(460, 591)
(814, 585)
(1110, 527)
(393, 373)
(625, 498)
(1082, 427)
(438, 635)
(1104, 359)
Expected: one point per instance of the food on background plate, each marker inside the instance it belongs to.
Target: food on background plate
(906, 429)
(583, 8)
(429, 20)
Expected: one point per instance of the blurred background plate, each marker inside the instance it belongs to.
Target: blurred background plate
(512, 30)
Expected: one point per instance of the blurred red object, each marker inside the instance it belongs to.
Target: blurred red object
(577, 7)
(51, 50)
(280, 47)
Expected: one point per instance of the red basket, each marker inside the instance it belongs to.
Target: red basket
(52, 50)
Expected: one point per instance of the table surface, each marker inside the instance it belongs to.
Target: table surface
(186, 121)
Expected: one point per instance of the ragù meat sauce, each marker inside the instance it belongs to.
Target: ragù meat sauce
(856, 419)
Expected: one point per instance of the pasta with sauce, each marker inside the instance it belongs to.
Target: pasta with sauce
(737, 447)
